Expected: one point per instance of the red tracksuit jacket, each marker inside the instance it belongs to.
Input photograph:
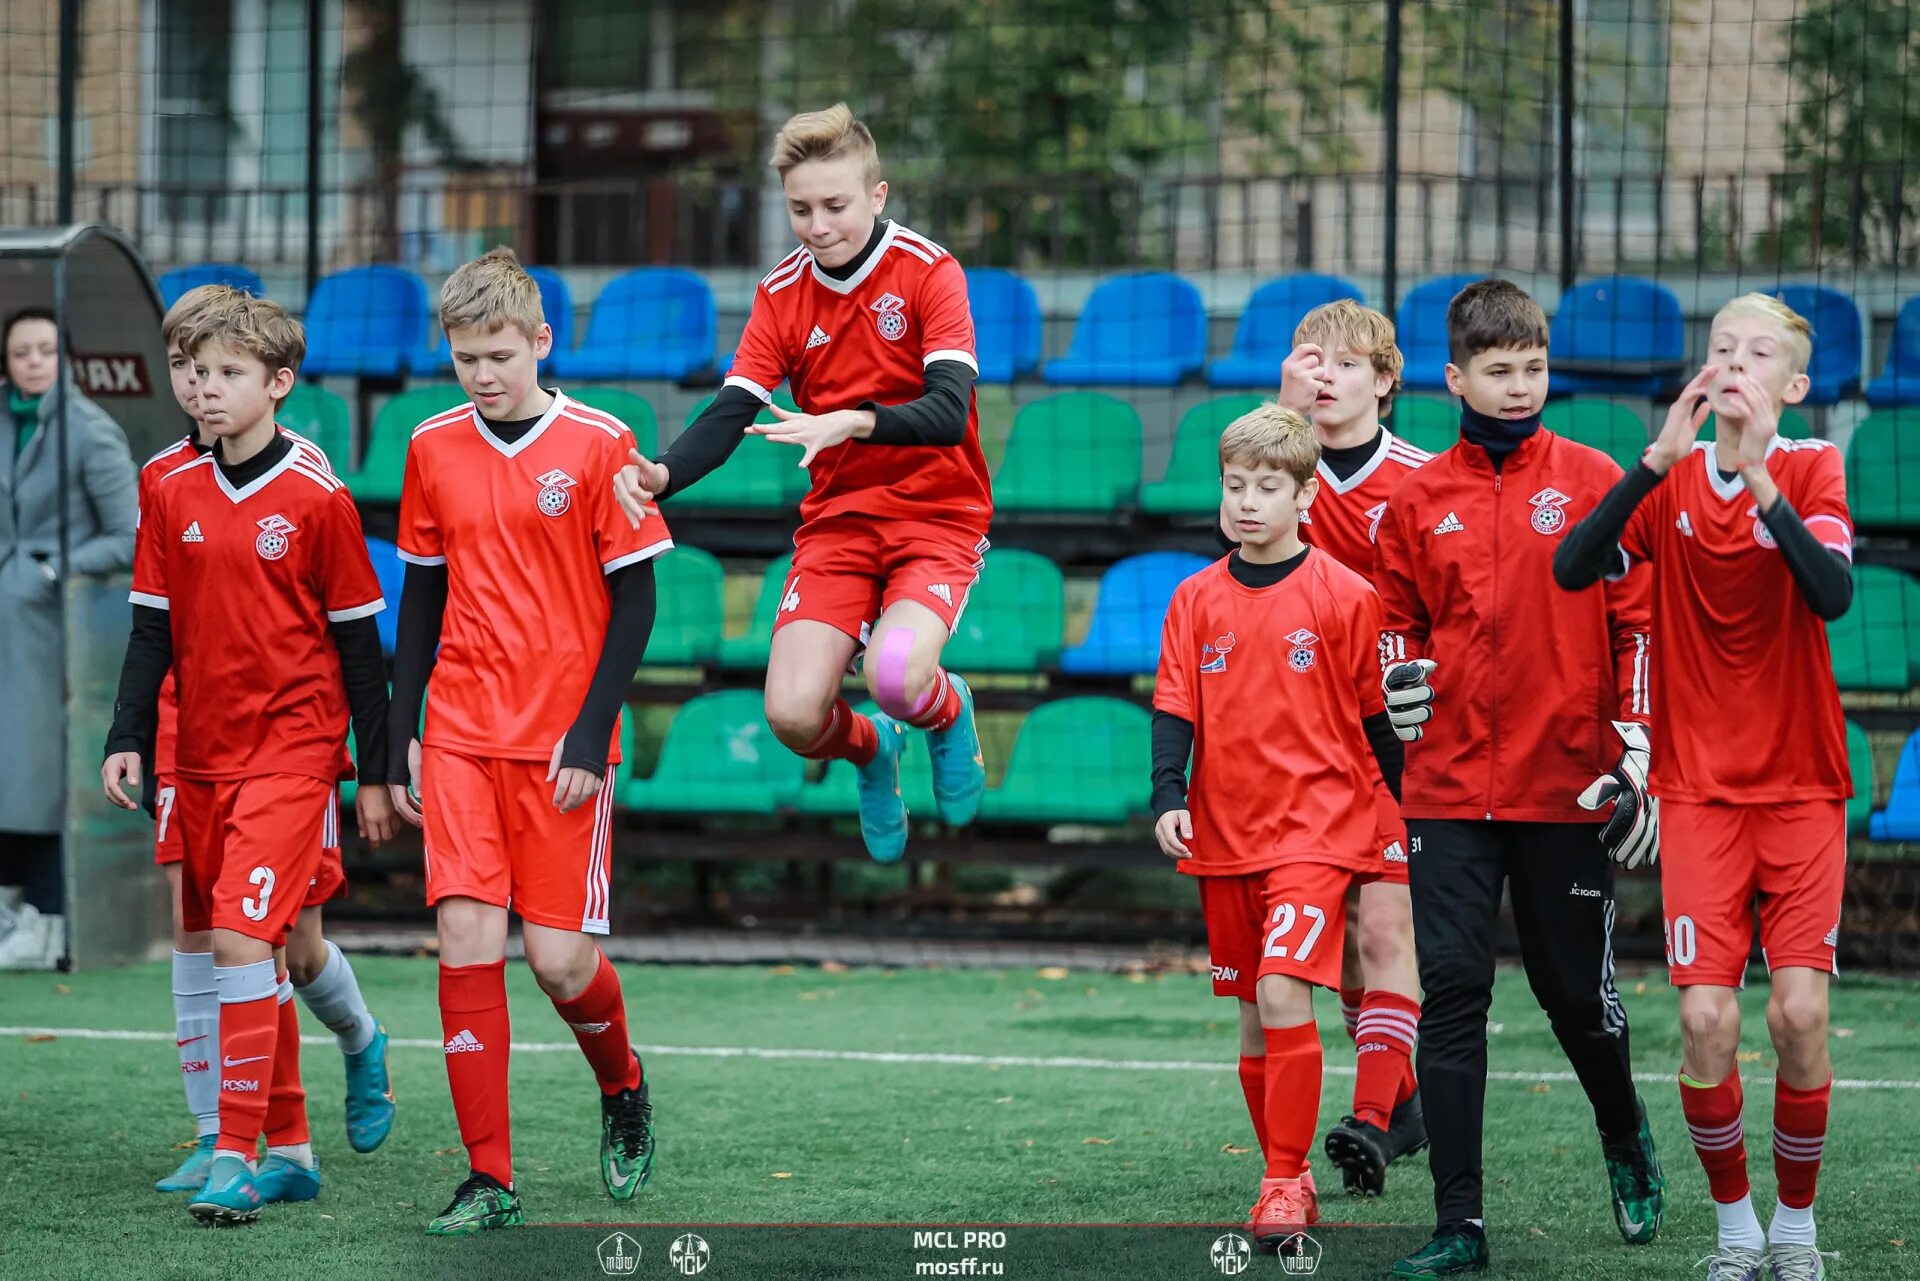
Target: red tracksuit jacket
(1529, 676)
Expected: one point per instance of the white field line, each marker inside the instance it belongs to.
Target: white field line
(905, 1058)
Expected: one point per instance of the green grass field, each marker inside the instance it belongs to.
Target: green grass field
(1120, 1107)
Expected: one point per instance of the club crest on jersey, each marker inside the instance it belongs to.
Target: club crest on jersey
(272, 543)
(553, 499)
(1213, 658)
(1374, 513)
(1300, 657)
(890, 317)
(1761, 534)
(1549, 514)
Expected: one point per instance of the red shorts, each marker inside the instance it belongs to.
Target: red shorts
(493, 834)
(253, 847)
(168, 848)
(1290, 920)
(1717, 860)
(1393, 835)
(330, 878)
(848, 569)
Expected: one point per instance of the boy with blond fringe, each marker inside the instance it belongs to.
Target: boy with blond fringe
(527, 606)
(1751, 549)
(1278, 818)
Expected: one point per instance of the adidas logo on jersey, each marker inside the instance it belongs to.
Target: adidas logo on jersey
(1685, 524)
(464, 1042)
(818, 338)
(193, 534)
(944, 592)
(1451, 525)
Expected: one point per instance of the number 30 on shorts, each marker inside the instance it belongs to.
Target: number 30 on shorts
(1682, 946)
(1285, 917)
(256, 908)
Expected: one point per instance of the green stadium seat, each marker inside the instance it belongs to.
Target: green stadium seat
(719, 757)
(1192, 482)
(1876, 643)
(1605, 425)
(690, 587)
(1014, 619)
(1883, 469)
(760, 475)
(384, 467)
(312, 411)
(1077, 760)
(1075, 451)
(1431, 423)
(1860, 765)
(635, 411)
(837, 794)
(751, 650)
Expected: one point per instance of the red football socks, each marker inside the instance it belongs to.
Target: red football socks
(1384, 1040)
(941, 706)
(1719, 1137)
(847, 735)
(1253, 1084)
(1293, 1097)
(479, 1038)
(1799, 1134)
(598, 1017)
(249, 1030)
(287, 1096)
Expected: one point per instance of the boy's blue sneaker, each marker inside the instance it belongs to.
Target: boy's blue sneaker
(369, 1095)
(280, 1179)
(229, 1196)
(883, 815)
(192, 1174)
(959, 770)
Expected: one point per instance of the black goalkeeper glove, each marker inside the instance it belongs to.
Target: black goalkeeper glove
(1632, 832)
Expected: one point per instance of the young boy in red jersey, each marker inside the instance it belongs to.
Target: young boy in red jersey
(252, 583)
(1279, 818)
(528, 601)
(1751, 549)
(319, 972)
(1342, 374)
(868, 322)
(1539, 691)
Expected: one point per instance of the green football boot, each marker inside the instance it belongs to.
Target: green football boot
(480, 1204)
(1455, 1248)
(626, 1140)
(1639, 1188)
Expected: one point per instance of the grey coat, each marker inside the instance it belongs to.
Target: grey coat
(102, 509)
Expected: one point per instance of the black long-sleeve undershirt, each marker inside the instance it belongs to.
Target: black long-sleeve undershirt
(938, 418)
(363, 669)
(423, 606)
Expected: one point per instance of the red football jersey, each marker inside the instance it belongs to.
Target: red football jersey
(869, 338)
(1276, 682)
(1344, 520)
(174, 456)
(528, 533)
(251, 579)
(1745, 709)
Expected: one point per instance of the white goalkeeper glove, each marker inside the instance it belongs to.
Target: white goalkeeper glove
(1632, 833)
(1409, 696)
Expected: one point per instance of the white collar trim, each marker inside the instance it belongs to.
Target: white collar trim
(859, 277)
(1727, 489)
(259, 482)
(1359, 478)
(533, 433)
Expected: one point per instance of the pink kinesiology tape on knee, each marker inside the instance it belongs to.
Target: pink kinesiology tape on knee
(890, 674)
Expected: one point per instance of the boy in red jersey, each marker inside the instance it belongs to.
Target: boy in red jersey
(319, 972)
(1279, 818)
(1752, 550)
(868, 322)
(251, 581)
(528, 602)
(1540, 689)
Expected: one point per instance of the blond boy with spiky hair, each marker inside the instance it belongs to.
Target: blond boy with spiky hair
(1752, 554)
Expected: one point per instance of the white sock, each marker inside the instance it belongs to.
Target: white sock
(301, 1154)
(1791, 1226)
(334, 998)
(196, 1029)
(1739, 1225)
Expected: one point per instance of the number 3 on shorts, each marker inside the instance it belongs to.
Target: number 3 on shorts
(256, 908)
(1284, 919)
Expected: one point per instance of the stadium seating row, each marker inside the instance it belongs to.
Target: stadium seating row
(1619, 335)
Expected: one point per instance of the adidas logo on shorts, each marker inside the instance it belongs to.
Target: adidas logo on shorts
(591, 1029)
(464, 1042)
(944, 592)
(1832, 938)
(193, 534)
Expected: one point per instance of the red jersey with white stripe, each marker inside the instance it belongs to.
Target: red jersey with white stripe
(1344, 520)
(1745, 706)
(179, 454)
(864, 340)
(528, 532)
(252, 579)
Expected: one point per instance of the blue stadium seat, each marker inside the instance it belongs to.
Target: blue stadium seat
(1839, 341)
(1900, 821)
(651, 322)
(366, 321)
(1006, 324)
(1619, 336)
(181, 279)
(391, 571)
(1123, 638)
(556, 300)
(1265, 333)
(1420, 327)
(1899, 380)
(1146, 329)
